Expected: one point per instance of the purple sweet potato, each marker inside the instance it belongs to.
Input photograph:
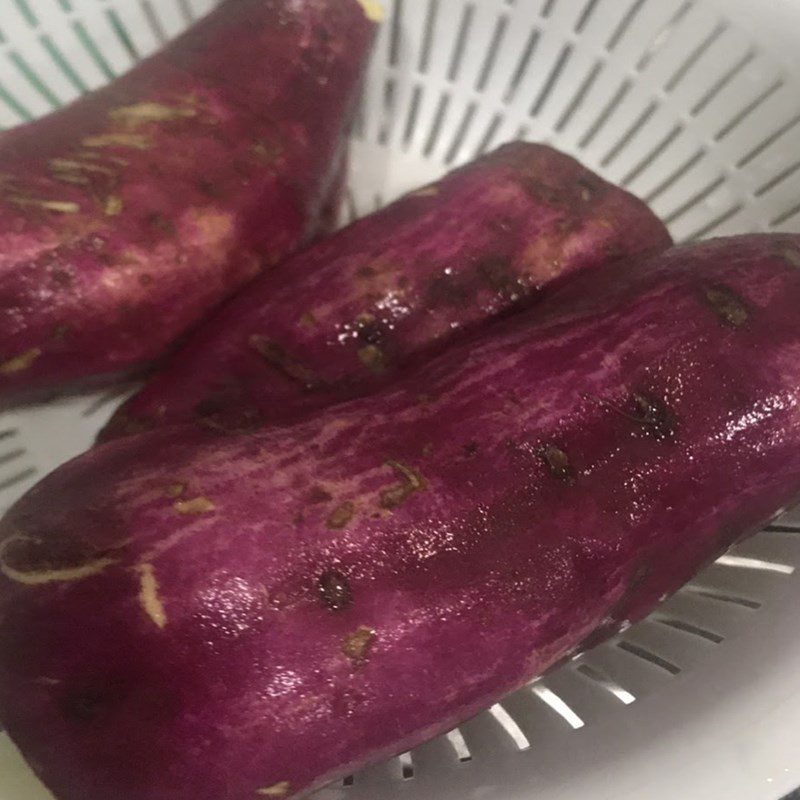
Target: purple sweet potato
(197, 616)
(129, 215)
(340, 318)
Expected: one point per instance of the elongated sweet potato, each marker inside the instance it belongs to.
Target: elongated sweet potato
(127, 216)
(338, 319)
(196, 616)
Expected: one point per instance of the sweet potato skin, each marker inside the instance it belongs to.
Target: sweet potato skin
(127, 216)
(342, 317)
(203, 617)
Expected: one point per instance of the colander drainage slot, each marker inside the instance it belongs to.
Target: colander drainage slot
(705, 230)
(461, 133)
(427, 38)
(459, 744)
(694, 57)
(679, 173)
(550, 698)
(722, 82)
(741, 562)
(694, 200)
(782, 528)
(406, 766)
(488, 137)
(609, 684)
(23, 475)
(630, 133)
(461, 43)
(663, 36)
(767, 142)
(687, 627)
(647, 655)
(624, 24)
(651, 156)
(522, 66)
(785, 216)
(153, 21)
(438, 122)
(585, 16)
(510, 726)
(580, 96)
(777, 180)
(491, 54)
(105, 400)
(737, 119)
(720, 597)
(11, 455)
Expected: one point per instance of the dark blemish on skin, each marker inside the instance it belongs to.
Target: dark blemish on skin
(62, 277)
(557, 463)
(319, 495)
(83, 706)
(727, 305)
(246, 421)
(588, 188)
(542, 192)
(298, 518)
(411, 481)
(449, 291)
(207, 188)
(160, 224)
(266, 152)
(60, 332)
(133, 425)
(208, 406)
(341, 516)
(307, 320)
(471, 449)
(365, 273)
(654, 416)
(323, 35)
(369, 330)
(146, 280)
(276, 356)
(496, 274)
(334, 589)
(357, 645)
(373, 358)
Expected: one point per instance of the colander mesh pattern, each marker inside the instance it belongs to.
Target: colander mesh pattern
(665, 97)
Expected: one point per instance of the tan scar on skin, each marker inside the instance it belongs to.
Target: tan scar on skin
(143, 113)
(278, 790)
(20, 362)
(373, 10)
(148, 595)
(40, 577)
(197, 505)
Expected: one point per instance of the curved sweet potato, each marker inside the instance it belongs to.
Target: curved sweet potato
(338, 319)
(127, 216)
(192, 616)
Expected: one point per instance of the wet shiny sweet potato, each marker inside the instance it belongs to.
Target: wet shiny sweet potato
(129, 215)
(197, 616)
(342, 317)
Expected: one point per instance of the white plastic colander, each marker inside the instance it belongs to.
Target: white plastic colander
(695, 106)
